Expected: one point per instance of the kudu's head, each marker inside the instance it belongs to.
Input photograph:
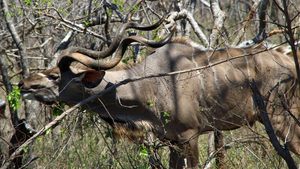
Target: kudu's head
(68, 83)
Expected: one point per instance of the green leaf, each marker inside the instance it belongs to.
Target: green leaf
(86, 22)
(28, 2)
(40, 139)
(166, 114)
(25, 148)
(149, 103)
(48, 131)
(125, 61)
(43, 1)
(14, 97)
(144, 153)
(136, 8)
(58, 109)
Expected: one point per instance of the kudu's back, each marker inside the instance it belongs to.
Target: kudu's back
(219, 96)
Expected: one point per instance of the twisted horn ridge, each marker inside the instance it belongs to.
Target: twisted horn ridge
(66, 60)
(112, 48)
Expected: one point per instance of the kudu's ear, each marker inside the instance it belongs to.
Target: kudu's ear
(92, 78)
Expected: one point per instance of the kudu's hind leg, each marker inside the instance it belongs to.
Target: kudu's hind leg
(186, 157)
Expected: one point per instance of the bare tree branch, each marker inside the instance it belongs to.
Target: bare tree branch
(205, 3)
(218, 23)
(241, 32)
(290, 38)
(259, 103)
(76, 27)
(191, 4)
(185, 14)
(17, 39)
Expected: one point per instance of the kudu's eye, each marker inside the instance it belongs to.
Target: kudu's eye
(53, 76)
(35, 86)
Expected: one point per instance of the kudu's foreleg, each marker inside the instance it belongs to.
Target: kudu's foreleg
(186, 157)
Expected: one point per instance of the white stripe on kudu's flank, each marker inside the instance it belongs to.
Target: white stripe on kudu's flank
(216, 76)
(248, 67)
(198, 72)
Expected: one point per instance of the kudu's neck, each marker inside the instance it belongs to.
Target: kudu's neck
(125, 96)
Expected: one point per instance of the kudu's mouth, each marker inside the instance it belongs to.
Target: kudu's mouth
(33, 96)
(27, 95)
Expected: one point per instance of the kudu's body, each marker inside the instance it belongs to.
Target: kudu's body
(180, 107)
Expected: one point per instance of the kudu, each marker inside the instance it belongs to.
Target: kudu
(179, 107)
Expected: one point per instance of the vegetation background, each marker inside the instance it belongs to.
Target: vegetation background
(83, 140)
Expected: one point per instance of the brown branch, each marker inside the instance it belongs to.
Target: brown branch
(278, 6)
(291, 40)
